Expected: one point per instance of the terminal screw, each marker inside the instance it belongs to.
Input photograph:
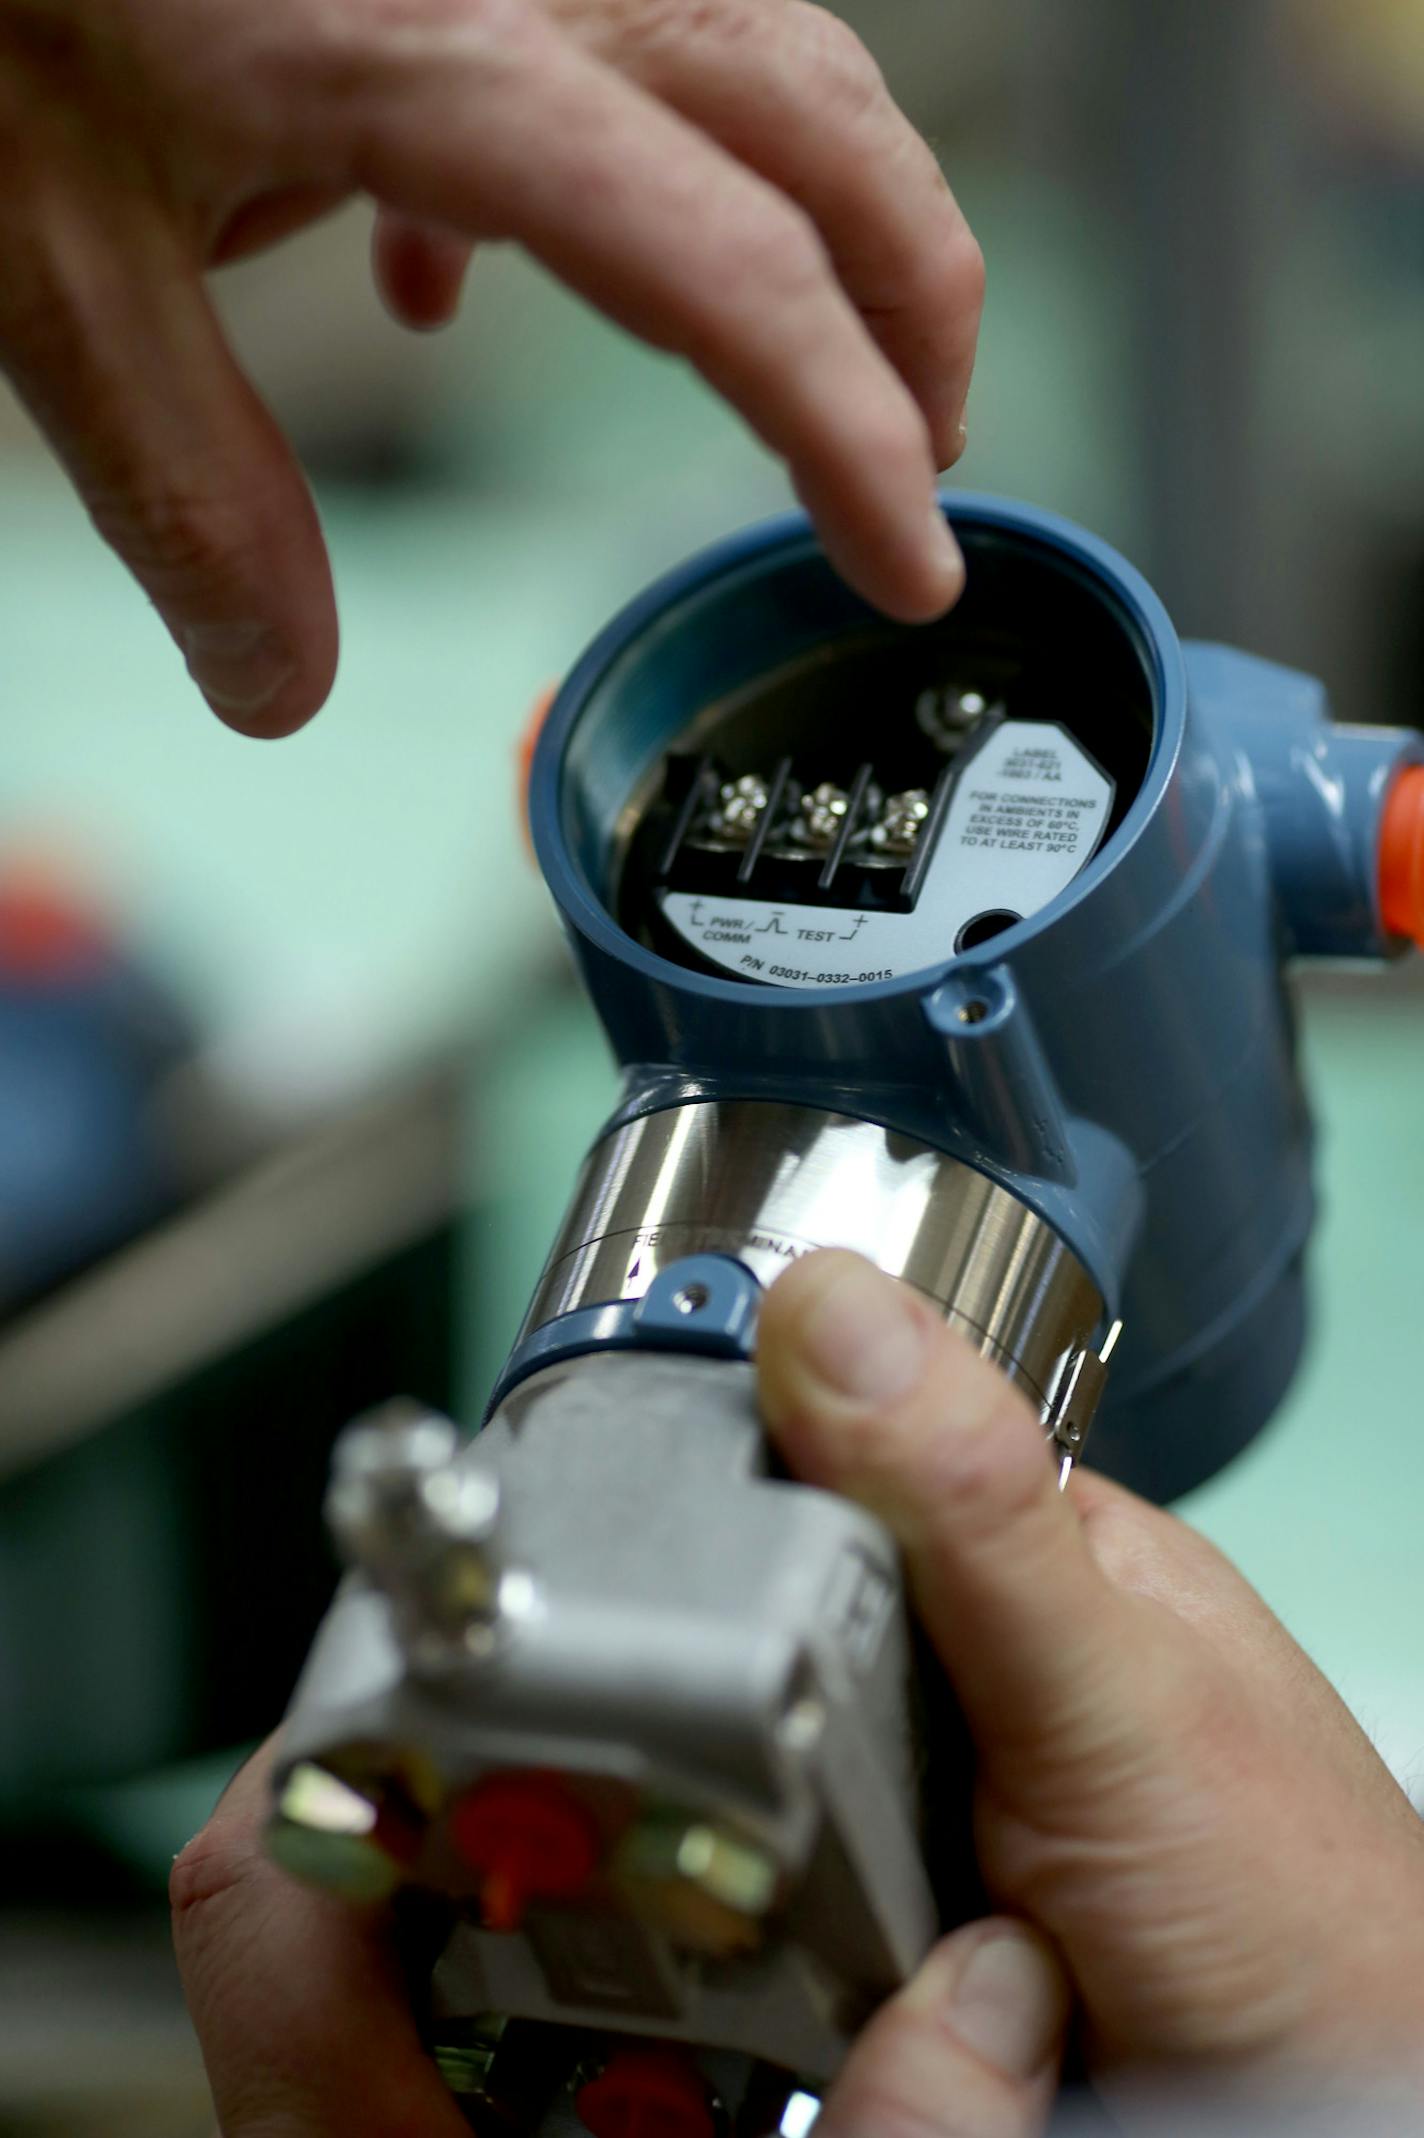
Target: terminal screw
(821, 813)
(741, 802)
(901, 821)
(950, 713)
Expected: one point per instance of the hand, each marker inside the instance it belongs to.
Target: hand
(728, 179)
(1166, 1786)
(300, 2007)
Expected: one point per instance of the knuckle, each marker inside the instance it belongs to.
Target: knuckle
(987, 1458)
(965, 1442)
(178, 528)
(182, 539)
(359, 53)
(216, 1864)
(965, 271)
(878, 1446)
(883, 2100)
(986, 1473)
(912, 2072)
(788, 244)
(946, 275)
(670, 28)
(43, 314)
(394, 22)
(781, 249)
(848, 83)
(891, 436)
(651, 24)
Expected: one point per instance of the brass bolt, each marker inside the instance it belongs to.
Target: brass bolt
(465, 2066)
(710, 1889)
(324, 1832)
(736, 1873)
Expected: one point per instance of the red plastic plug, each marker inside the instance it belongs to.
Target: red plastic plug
(529, 1838)
(647, 2093)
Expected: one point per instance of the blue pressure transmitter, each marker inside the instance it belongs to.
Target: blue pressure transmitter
(962, 946)
(1017, 888)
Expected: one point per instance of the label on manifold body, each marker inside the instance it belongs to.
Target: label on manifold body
(1028, 812)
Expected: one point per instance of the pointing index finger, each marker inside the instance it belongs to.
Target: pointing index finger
(794, 94)
(491, 120)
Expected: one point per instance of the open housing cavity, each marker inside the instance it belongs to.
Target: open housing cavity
(885, 798)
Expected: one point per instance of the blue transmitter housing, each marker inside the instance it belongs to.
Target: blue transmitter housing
(1120, 1061)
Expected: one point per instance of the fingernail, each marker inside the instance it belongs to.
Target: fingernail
(1008, 2002)
(945, 552)
(863, 1336)
(239, 668)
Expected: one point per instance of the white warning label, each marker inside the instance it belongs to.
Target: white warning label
(1026, 813)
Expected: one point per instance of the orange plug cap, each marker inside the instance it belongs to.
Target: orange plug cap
(1401, 857)
(647, 2093)
(529, 1838)
(47, 932)
(524, 752)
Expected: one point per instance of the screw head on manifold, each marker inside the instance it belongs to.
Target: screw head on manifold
(417, 1520)
(327, 1832)
(711, 1889)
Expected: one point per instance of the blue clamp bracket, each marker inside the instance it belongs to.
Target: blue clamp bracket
(703, 1303)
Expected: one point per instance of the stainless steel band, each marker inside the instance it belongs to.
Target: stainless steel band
(765, 1182)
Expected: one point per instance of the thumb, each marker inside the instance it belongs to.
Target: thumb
(970, 2049)
(107, 332)
(870, 1393)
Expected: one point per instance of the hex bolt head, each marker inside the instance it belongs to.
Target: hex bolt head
(711, 1889)
(737, 1873)
(378, 1469)
(325, 1832)
(413, 1513)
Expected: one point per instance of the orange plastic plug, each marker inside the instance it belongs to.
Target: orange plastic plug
(524, 754)
(1401, 857)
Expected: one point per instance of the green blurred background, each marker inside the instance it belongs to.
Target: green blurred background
(1205, 338)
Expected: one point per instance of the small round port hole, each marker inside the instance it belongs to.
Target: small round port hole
(984, 927)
